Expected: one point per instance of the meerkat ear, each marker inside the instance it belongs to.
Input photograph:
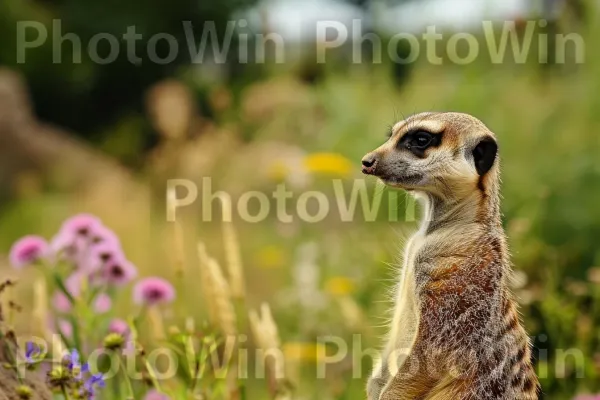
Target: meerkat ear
(484, 155)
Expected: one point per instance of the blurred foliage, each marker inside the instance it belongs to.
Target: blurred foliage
(85, 96)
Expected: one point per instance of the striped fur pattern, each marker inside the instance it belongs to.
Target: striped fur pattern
(456, 332)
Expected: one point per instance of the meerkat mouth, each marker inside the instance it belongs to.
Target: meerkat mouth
(406, 182)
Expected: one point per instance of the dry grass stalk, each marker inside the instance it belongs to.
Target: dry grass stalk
(223, 306)
(178, 246)
(205, 283)
(157, 324)
(234, 260)
(40, 307)
(265, 332)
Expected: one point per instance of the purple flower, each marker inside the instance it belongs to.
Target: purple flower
(154, 395)
(92, 381)
(28, 250)
(151, 291)
(72, 360)
(119, 272)
(33, 353)
(118, 326)
(102, 303)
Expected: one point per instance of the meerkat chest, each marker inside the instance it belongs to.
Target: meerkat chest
(406, 316)
(413, 247)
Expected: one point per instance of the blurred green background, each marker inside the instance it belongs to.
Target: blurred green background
(106, 138)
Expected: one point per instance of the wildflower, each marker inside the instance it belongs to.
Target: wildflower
(119, 272)
(102, 303)
(64, 246)
(328, 163)
(101, 254)
(118, 326)
(61, 302)
(588, 397)
(155, 395)
(24, 392)
(270, 257)
(73, 363)
(65, 328)
(96, 380)
(33, 353)
(27, 251)
(59, 376)
(83, 225)
(339, 286)
(151, 291)
(103, 235)
(303, 351)
(113, 341)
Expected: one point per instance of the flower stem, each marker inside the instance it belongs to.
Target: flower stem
(127, 380)
(65, 393)
(152, 376)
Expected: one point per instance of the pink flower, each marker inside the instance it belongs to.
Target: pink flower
(588, 397)
(77, 234)
(102, 303)
(119, 272)
(73, 283)
(130, 349)
(61, 302)
(64, 246)
(65, 328)
(101, 254)
(154, 395)
(83, 225)
(102, 234)
(118, 326)
(28, 250)
(151, 291)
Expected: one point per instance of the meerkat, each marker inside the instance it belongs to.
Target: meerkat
(455, 332)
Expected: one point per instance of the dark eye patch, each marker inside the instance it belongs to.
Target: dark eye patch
(419, 140)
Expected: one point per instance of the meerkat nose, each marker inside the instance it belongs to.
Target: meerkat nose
(369, 163)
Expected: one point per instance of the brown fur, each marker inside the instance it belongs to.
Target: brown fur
(456, 333)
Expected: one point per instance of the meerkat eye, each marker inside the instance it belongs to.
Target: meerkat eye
(421, 139)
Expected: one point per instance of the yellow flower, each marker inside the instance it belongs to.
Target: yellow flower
(302, 351)
(339, 286)
(328, 163)
(278, 171)
(270, 257)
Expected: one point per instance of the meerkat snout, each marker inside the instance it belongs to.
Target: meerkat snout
(433, 152)
(369, 164)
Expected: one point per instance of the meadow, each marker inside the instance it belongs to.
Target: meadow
(289, 285)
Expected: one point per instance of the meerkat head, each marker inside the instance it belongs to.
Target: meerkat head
(446, 154)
